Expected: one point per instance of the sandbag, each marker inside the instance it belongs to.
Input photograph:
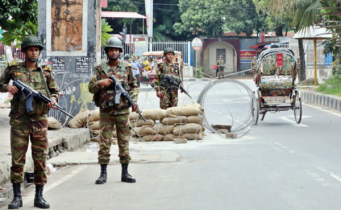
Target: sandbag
(196, 105)
(174, 120)
(133, 116)
(140, 123)
(94, 115)
(80, 119)
(156, 137)
(187, 128)
(192, 136)
(95, 132)
(154, 114)
(143, 131)
(188, 110)
(52, 123)
(169, 137)
(94, 125)
(196, 119)
(163, 129)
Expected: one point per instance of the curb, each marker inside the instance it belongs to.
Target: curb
(323, 100)
(69, 138)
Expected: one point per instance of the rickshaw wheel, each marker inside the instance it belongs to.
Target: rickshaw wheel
(298, 109)
(255, 108)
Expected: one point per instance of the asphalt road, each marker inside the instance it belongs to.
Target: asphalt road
(279, 165)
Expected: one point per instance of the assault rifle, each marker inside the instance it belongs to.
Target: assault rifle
(29, 94)
(120, 91)
(169, 78)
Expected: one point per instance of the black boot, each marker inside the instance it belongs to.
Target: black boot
(126, 177)
(103, 177)
(17, 200)
(39, 200)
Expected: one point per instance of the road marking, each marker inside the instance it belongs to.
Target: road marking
(315, 176)
(328, 172)
(294, 123)
(330, 112)
(49, 187)
(285, 148)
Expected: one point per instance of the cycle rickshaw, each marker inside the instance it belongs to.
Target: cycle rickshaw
(275, 79)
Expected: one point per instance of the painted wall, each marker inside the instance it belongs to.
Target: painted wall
(208, 54)
(245, 45)
(71, 51)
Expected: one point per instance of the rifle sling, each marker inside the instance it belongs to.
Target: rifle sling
(45, 85)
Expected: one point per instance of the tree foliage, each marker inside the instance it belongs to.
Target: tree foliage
(16, 13)
(217, 16)
(19, 34)
(105, 28)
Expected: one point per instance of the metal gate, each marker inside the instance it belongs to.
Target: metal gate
(183, 47)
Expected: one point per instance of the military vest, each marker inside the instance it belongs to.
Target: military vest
(171, 69)
(33, 79)
(105, 97)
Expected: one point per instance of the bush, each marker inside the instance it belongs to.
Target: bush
(198, 73)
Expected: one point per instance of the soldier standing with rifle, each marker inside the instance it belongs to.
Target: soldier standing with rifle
(167, 93)
(112, 114)
(29, 125)
(220, 66)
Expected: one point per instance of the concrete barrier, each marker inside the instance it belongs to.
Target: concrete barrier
(319, 99)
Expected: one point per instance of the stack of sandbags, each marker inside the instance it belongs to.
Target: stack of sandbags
(144, 130)
(53, 124)
(176, 122)
(188, 121)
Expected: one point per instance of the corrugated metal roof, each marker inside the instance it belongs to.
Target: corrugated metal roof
(110, 14)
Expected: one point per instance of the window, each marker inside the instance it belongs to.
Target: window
(221, 52)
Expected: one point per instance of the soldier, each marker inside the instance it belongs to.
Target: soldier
(253, 65)
(168, 95)
(220, 66)
(110, 113)
(31, 125)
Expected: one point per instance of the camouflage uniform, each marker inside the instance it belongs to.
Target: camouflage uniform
(33, 125)
(111, 114)
(169, 96)
(220, 69)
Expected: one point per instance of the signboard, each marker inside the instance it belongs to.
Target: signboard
(82, 65)
(246, 56)
(58, 66)
(196, 43)
(149, 17)
(0, 33)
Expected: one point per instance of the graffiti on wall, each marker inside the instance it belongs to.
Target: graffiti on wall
(66, 25)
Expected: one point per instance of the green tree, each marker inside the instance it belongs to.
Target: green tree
(19, 19)
(15, 13)
(19, 34)
(216, 17)
(201, 17)
(105, 28)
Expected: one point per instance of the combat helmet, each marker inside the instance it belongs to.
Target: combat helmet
(127, 56)
(113, 42)
(31, 40)
(168, 50)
